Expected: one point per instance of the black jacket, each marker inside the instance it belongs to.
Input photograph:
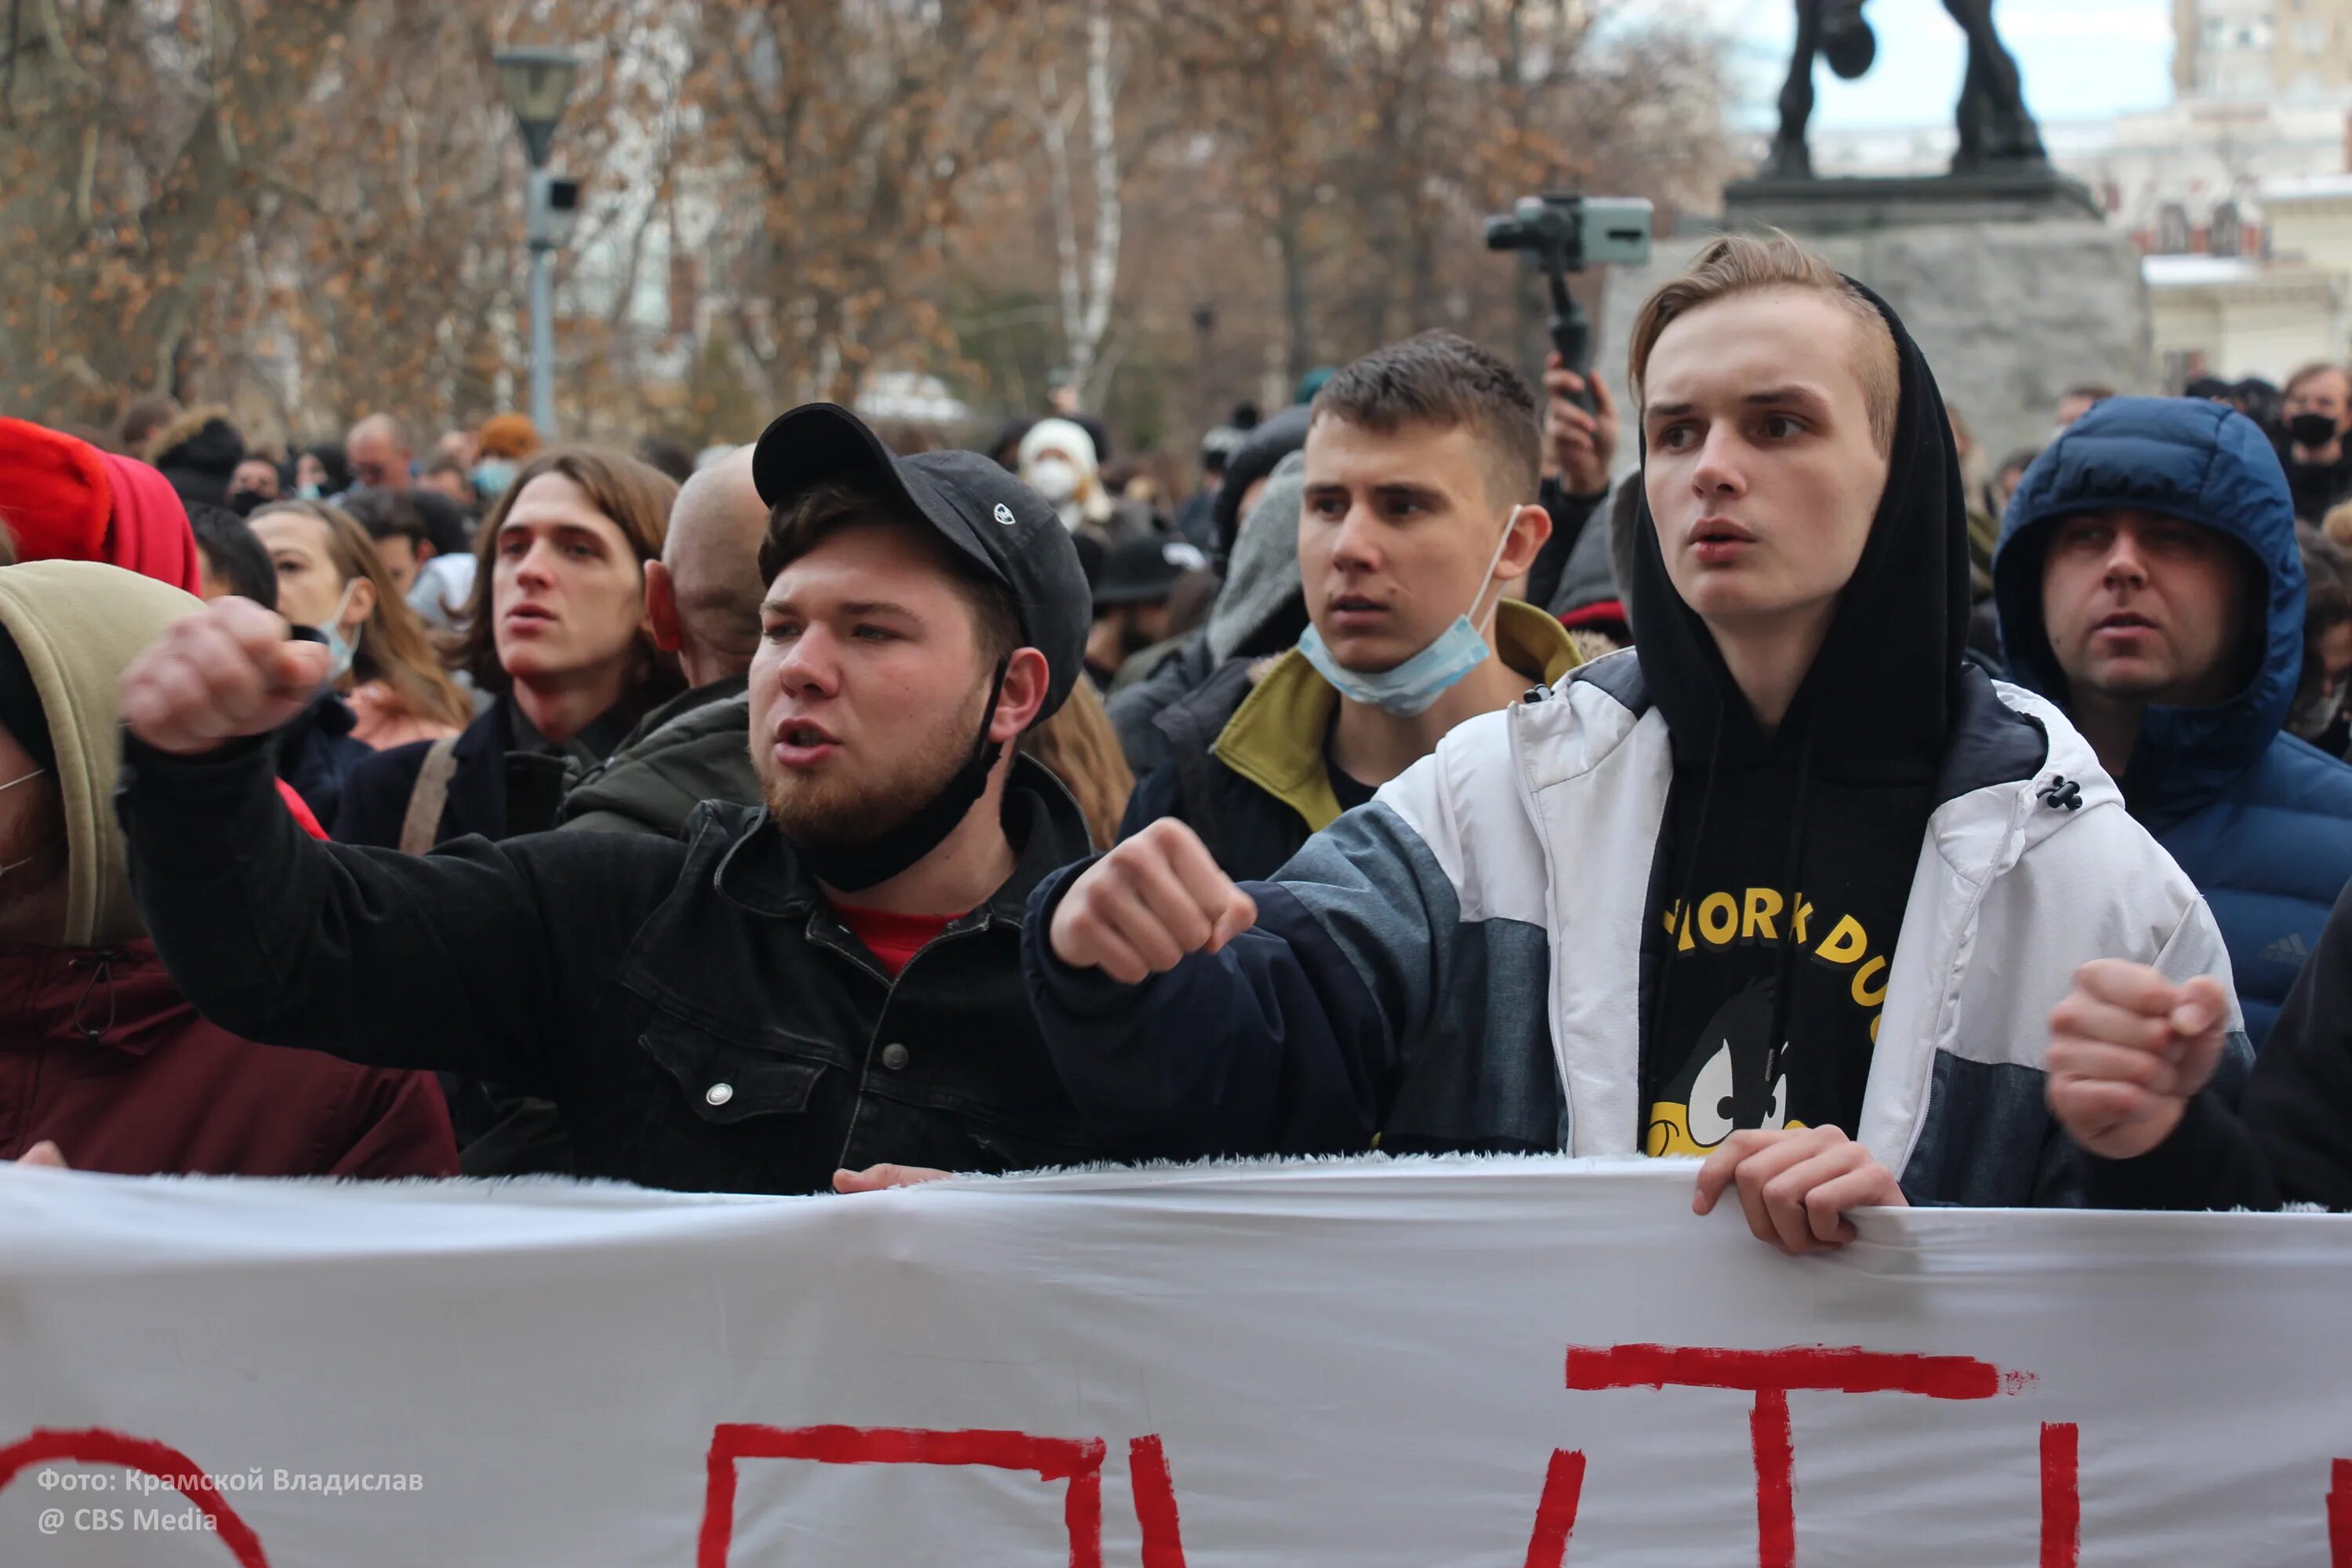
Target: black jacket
(1135, 711)
(2290, 1138)
(695, 1006)
(316, 754)
(376, 792)
(496, 792)
(1569, 514)
(1249, 832)
(2316, 488)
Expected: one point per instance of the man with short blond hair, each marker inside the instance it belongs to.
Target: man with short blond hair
(1749, 268)
(1789, 885)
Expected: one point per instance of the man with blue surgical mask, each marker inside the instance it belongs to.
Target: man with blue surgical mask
(1416, 510)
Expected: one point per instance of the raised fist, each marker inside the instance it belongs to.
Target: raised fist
(227, 671)
(1138, 910)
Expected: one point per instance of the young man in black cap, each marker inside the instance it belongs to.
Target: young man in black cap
(772, 1002)
(1788, 885)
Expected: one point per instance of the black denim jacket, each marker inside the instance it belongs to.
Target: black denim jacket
(694, 1005)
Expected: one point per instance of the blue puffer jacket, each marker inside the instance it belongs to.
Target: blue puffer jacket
(2260, 821)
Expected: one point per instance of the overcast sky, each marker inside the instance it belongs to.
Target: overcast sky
(2080, 58)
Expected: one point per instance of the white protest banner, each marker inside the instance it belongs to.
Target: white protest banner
(1464, 1362)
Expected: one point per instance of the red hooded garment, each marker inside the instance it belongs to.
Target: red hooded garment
(64, 499)
(150, 533)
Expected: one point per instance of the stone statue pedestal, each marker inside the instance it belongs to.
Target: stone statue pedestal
(2013, 285)
(2036, 193)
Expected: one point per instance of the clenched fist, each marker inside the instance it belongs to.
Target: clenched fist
(2129, 1050)
(224, 672)
(1136, 912)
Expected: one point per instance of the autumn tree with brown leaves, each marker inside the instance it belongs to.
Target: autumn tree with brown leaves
(311, 208)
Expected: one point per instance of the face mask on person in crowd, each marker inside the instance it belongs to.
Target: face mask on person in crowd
(1414, 686)
(308, 492)
(2311, 431)
(492, 476)
(1056, 478)
(243, 502)
(340, 653)
(5, 788)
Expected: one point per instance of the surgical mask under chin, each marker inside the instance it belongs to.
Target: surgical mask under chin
(1412, 688)
(1056, 478)
(21, 778)
(340, 653)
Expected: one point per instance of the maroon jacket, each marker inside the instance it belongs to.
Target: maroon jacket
(101, 1053)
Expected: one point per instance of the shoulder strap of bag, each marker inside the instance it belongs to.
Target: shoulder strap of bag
(418, 828)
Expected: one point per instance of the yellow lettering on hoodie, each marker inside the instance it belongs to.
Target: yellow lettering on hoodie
(1846, 942)
(1761, 907)
(1718, 932)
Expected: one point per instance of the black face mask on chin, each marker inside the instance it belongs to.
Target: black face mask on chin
(854, 868)
(2311, 431)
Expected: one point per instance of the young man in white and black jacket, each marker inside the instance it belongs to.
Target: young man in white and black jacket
(1571, 927)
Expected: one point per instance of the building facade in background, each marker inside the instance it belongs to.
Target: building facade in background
(2238, 193)
(2261, 49)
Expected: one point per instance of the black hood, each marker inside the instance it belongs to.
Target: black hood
(1807, 840)
(1877, 705)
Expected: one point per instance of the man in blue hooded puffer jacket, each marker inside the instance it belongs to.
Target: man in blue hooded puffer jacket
(2147, 581)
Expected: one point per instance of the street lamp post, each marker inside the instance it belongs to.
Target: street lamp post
(537, 83)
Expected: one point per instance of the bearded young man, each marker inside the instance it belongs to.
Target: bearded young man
(774, 1000)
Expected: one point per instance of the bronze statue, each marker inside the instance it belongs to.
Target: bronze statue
(1997, 133)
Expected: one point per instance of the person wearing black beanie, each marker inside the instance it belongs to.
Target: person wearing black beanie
(1790, 885)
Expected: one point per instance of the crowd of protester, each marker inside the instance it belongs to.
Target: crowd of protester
(1881, 822)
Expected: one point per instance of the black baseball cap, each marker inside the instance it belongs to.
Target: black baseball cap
(1145, 571)
(999, 524)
